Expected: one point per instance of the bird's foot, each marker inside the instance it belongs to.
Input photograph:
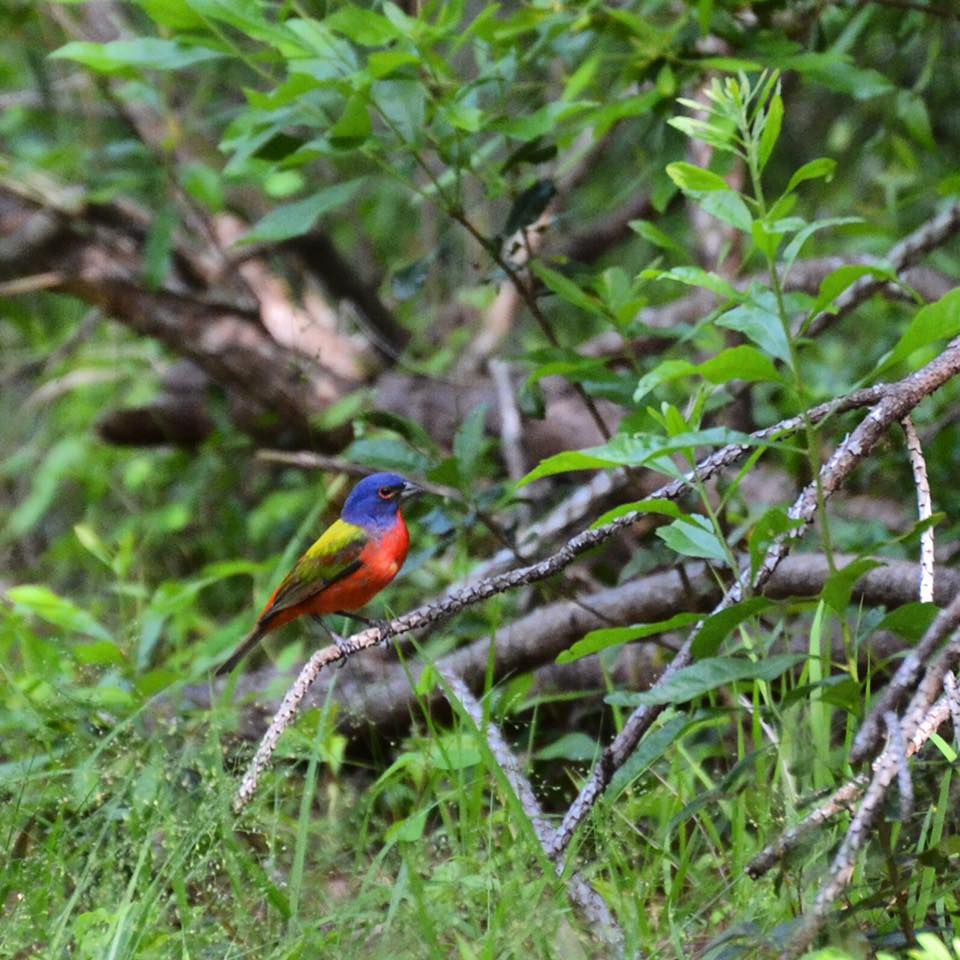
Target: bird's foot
(382, 625)
(345, 648)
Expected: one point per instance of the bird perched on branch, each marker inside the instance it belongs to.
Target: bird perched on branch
(354, 559)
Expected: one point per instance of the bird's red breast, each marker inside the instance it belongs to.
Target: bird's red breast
(380, 560)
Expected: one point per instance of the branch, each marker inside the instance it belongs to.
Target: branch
(924, 508)
(934, 233)
(921, 720)
(897, 403)
(899, 399)
(578, 889)
(842, 799)
(381, 694)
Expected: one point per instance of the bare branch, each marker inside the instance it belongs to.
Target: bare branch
(380, 694)
(924, 508)
(898, 753)
(921, 720)
(842, 800)
(898, 401)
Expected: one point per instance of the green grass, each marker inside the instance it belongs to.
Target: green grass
(119, 841)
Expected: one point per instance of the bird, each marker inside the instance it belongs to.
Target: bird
(350, 563)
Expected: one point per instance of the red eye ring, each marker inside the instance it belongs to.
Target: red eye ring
(386, 493)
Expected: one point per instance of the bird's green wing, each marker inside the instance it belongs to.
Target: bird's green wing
(331, 558)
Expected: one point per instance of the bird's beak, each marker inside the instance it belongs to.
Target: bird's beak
(409, 490)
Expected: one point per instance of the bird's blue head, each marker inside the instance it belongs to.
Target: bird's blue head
(373, 503)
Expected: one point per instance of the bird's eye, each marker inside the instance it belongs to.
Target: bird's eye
(386, 493)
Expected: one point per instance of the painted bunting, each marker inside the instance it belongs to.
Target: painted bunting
(354, 559)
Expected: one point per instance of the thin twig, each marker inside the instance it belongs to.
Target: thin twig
(528, 295)
(924, 509)
(898, 752)
(840, 801)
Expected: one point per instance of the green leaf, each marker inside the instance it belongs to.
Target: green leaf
(408, 830)
(653, 746)
(771, 130)
(706, 675)
(665, 507)
(386, 453)
(150, 53)
(693, 537)
(45, 604)
(636, 450)
(772, 525)
(409, 429)
(656, 236)
(249, 18)
(465, 117)
(821, 167)
(835, 71)
(718, 137)
(384, 63)
(795, 245)
(718, 626)
(911, 621)
(839, 586)
(693, 179)
(739, 363)
(403, 103)
(363, 27)
(541, 123)
(91, 542)
(567, 290)
(936, 321)
(758, 318)
(604, 117)
(603, 639)
(696, 277)
(99, 654)
(295, 219)
(354, 126)
(728, 207)
(843, 277)
(61, 462)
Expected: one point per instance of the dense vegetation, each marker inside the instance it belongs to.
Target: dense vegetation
(544, 258)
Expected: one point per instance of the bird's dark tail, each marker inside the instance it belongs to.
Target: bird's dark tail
(254, 637)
